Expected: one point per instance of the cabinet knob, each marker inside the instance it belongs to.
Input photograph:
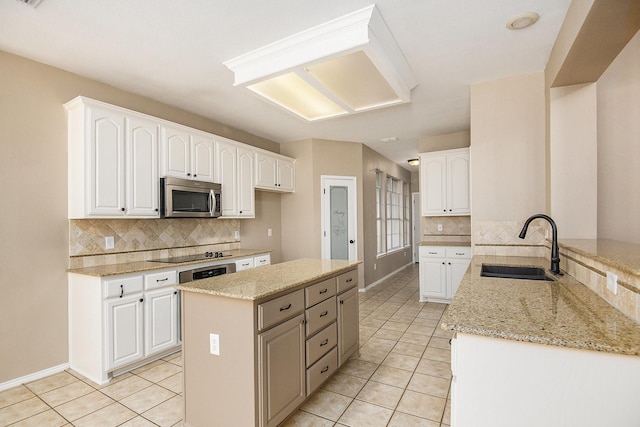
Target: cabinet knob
(188, 174)
(240, 211)
(141, 299)
(175, 293)
(194, 175)
(122, 209)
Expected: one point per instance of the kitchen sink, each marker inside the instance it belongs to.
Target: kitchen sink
(514, 272)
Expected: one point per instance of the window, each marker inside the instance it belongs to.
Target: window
(407, 214)
(395, 213)
(379, 214)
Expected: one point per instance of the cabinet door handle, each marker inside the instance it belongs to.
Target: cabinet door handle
(459, 253)
(285, 308)
(121, 290)
(325, 369)
(324, 291)
(341, 301)
(325, 342)
(349, 280)
(162, 280)
(324, 313)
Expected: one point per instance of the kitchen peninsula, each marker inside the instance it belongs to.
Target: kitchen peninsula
(258, 343)
(533, 353)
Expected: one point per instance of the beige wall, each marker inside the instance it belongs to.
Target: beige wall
(574, 156)
(618, 92)
(447, 141)
(34, 226)
(301, 212)
(507, 156)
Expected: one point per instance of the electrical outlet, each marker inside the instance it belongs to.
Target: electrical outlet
(214, 344)
(439, 227)
(269, 232)
(236, 234)
(612, 282)
(109, 242)
(375, 266)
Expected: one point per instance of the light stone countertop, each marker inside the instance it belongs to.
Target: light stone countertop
(146, 266)
(623, 255)
(268, 280)
(444, 243)
(563, 313)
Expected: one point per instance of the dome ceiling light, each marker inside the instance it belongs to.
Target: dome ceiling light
(414, 162)
(344, 66)
(522, 21)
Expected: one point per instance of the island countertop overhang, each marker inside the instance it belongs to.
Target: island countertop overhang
(266, 281)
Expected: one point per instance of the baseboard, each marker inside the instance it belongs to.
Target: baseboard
(366, 288)
(33, 377)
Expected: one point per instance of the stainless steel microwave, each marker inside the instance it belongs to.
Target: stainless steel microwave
(185, 198)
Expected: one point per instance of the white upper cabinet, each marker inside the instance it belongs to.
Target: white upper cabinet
(444, 182)
(116, 157)
(274, 172)
(235, 173)
(187, 154)
(142, 167)
(113, 159)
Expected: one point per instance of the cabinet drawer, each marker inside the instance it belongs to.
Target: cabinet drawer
(432, 252)
(459, 252)
(319, 292)
(262, 260)
(347, 280)
(160, 280)
(122, 287)
(321, 343)
(321, 370)
(274, 311)
(320, 315)
(244, 264)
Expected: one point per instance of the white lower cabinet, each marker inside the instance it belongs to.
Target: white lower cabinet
(252, 262)
(121, 321)
(441, 271)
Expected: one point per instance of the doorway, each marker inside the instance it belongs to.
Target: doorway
(339, 217)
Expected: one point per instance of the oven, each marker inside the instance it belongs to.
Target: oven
(206, 272)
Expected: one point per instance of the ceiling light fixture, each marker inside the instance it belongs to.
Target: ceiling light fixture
(522, 21)
(344, 66)
(414, 162)
(390, 139)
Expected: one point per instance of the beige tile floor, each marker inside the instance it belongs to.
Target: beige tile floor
(402, 378)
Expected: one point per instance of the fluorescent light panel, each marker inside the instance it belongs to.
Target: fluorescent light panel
(353, 62)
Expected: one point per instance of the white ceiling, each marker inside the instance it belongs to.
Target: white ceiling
(172, 51)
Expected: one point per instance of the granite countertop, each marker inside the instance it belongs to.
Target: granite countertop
(563, 313)
(145, 266)
(444, 243)
(268, 280)
(623, 255)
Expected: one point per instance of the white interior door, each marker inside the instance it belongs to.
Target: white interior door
(339, 217)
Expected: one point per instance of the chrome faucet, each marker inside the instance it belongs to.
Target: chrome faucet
(555, 256)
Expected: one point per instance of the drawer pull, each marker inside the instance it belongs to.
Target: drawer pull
(121, 290)
(325, 342)
(324, 313)
(459, 253)
(349, 280)
(325, 369)
(433, 253)
(341, 301)
(324, 291)
(285, 308)
(162, 280)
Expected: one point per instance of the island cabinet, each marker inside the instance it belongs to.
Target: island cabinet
(253, 362)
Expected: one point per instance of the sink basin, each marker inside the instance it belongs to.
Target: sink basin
(514, 272)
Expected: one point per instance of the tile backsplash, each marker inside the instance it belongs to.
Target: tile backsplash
(87, 236)
(500, 238)
(454, 228)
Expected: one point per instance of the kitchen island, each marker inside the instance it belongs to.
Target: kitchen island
(258, 343)
(532, 353)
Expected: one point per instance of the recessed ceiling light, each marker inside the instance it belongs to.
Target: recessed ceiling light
(390, 139)
(344, 66)
(522, 21)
